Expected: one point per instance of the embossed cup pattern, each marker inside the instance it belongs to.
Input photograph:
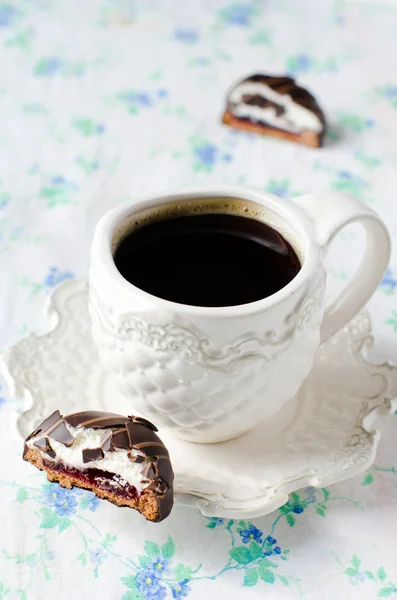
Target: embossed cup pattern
(170, 376)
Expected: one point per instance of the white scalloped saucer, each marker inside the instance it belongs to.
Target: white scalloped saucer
(322, 436)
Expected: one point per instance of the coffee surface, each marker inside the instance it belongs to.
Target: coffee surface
(207, 259)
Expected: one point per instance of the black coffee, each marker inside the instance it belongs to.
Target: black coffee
(207, 259)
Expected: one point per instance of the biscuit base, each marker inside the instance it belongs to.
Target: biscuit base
(146, 503)
(307, 138)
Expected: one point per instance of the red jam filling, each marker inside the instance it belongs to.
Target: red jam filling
(103, 480)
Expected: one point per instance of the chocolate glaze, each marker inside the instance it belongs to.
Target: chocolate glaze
(95, 419)
(281, 85)
(128, 433)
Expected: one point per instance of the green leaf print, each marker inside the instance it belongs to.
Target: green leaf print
(109, 540)
(381, 574)
(283, 580)
(320, 511)
(290, 520)
(3, 591)
(255, 550)
(88, 127)
(152, 549)
(64, 523)
(143, 561)
(82, 558)
(368, 479)
(250, 577)
(260, 38)
(266, 574)
(168, 549)
(385, 592)
(393, 321)
(355, 562)
(132, 595)
(129, 581)
(22, 495)
(49, 518)
(241, 555)
(84, 502)
(182, 572)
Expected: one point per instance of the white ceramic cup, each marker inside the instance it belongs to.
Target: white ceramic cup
(211, 374)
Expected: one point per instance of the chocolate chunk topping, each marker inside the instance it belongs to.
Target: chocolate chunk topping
(90, 454)
(46, 424)
(137, 458)
(143, 421)
(106, 441)
(150, 471)
(44, 445)
(120, 440)
(55, 428)
(61, 434)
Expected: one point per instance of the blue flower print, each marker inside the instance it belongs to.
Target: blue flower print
(299, 64)
(280, 187)
(187, 36)
(181, 589)
(270, 546)
(97, 556)
(389, 91)
(158, 567)
(206, 154)
(238, 14)
(93, 502)
(46, 67)
(213, 522)
(8, 14)
(345, 175)
(64, 501)
(141, 98)
(55, 277)
(389, 282)
(271, 540)
(138, 99)
(310, 495)
(2, 399)
(252, 533)
(298, 510)
(149, 585)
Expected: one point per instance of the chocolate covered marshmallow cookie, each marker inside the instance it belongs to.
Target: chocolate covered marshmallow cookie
(275, 106)
(121, 459)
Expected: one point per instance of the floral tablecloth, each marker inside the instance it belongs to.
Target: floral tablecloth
(104, 100)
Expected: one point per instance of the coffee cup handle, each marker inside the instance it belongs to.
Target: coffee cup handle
(329, 213)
